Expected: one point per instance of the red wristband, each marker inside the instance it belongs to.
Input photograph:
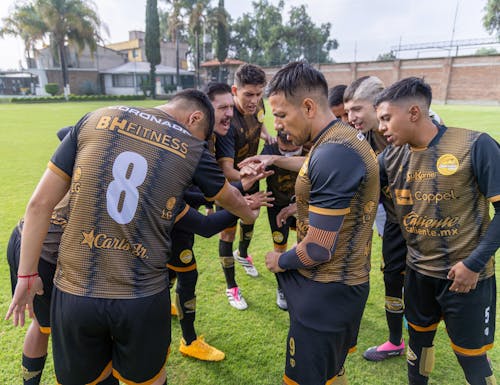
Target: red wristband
(28, 276)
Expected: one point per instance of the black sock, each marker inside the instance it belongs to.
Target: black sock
(246, 232)
(185, 292)
(477, 369)
(32, 369)
(227, 262)
(395, 323)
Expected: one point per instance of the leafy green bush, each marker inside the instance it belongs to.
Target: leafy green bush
(52, 88)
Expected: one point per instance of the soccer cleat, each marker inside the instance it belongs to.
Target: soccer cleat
(235, 298)
(247, 264)
(281, 300)
(173, 310)
(200, 350)
(386, 350)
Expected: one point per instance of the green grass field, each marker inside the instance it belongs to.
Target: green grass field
(253, 340)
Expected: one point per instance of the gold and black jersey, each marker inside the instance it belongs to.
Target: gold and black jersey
(350, 263)
(246, 130)
(437, 200)
(131, 167)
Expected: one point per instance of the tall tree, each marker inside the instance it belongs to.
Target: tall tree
(491, 19)
(72, 22)
(24, 22)
(307, 41)
(75, 22)
(152, 42)
(222, 41)
(262, 38)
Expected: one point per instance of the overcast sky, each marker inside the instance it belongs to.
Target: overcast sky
(363, 28)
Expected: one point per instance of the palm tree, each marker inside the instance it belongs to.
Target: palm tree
(75, 22)
(24, 22)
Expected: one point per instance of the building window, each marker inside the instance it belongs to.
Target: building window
(123, 80)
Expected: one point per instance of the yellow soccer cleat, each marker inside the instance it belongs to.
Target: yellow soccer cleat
(200, 350)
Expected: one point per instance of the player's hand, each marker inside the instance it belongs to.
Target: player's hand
(22, 299)
(464, 279)
(258, 162)
(285, 212)
(259, 199)
(249, 179)
(272, 259)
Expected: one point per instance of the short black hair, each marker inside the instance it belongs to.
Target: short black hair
(297, 77)
(214, 88)
(200, 101)
(336, 95)
(408, 88)
(249, 74)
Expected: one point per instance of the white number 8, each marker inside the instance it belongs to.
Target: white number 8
(122, 196)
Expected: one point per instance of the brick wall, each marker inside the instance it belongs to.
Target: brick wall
(463, 79)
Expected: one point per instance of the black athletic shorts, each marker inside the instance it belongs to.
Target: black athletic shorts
(182, 258)
(91, 334)
(46, 271)
(324, 322)
(280, 234)
(469, 317)
(393, 249)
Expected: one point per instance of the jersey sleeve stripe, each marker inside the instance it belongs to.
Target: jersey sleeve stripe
(494, 198)
(58, 171)
(182, 213)
(224, 158)
(323, 211)
(226, 185)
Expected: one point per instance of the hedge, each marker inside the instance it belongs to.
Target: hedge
(75, 98)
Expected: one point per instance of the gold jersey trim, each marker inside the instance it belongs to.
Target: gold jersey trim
(181, 269)
(182, 213)
(471, 352)
(332, 212)
(494, 199)
(52, 167)
(216, 196)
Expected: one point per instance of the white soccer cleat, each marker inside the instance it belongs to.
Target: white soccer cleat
(247, 264)
(235, 298)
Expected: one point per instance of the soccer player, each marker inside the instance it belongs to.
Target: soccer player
(37, 336)
(336, 102)
(36, 339)
(241, 141)
(325, 277)
(127, 169)
(441, 181)
(358, 101)
(282, 186)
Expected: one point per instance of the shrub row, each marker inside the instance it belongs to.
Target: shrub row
(75, 98)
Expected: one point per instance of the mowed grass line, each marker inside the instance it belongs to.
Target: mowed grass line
(253, 340)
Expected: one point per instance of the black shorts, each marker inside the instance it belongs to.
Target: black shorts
(324, 322)
(182, 258)
(91, 334)
(46, 271)
(393, 249)
(469, 317)
(280, 234)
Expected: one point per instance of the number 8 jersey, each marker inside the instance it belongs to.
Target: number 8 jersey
(129, 168)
